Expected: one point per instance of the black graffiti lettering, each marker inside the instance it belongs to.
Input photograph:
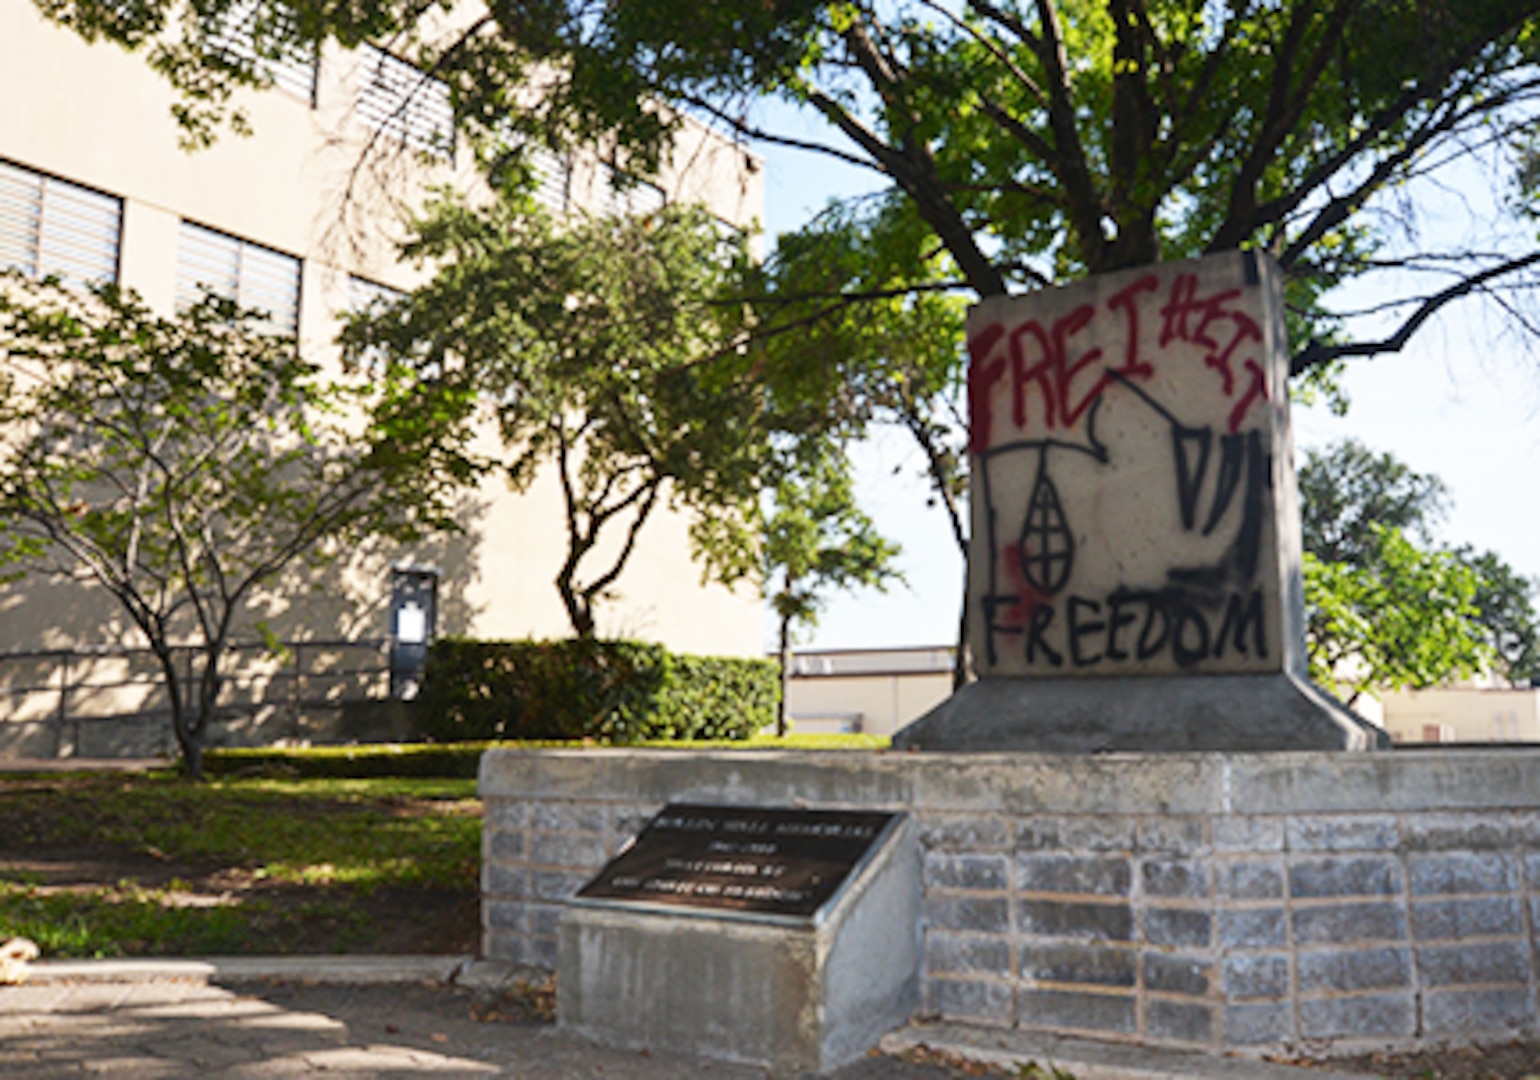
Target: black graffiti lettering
(1080, 629)
(1232, 452)
(1149, 646)
(1189, 474)
(1188, 653)
(1135, 626)
(1239, 615)
(1118, 616)
(1042, 616)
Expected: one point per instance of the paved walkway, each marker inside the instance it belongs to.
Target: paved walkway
(140, 1031)
(384, 1017)
(338, 1017)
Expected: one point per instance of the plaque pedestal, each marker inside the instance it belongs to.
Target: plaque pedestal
(1242, 713)
(785, 994)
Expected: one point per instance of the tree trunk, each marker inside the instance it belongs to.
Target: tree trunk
(780, 707)
(579, 610)
(208, 702)
(962, 658)
(192, 758)
(186, 739)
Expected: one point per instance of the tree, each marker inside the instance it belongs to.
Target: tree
(1405, 620)
(589, 348)
(817, 538)
(896, 359)
(1030, 141)
(1385, 605)
(1348, 487)
(183, 463)
(1034, 140)
(1505, 606)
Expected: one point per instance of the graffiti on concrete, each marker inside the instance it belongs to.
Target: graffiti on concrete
(1123, 435)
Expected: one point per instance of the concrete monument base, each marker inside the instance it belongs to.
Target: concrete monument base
(1238, 713)
(1252, 904)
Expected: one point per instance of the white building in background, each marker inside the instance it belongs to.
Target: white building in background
(878, 691)
(1463, 714)
(94, 186)
(870, 691)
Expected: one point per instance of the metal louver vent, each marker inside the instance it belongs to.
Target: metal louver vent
(251, 275)
(399, 100)
(363, 293)
(49, 226)
(622, 196)
(236, 35)
(553, 177)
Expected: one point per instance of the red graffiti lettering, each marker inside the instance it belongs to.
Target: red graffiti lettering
(1195, 320)
(1052, 387)
(1043, 369)
(1126, 299)
(1027, 595)
(1256, 389)
(982, 376)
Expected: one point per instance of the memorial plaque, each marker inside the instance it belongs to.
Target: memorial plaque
(737, 859)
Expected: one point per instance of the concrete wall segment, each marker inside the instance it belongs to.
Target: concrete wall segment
(1130, 453)
(1368, 783)
(1230, 925)
(1246, 797)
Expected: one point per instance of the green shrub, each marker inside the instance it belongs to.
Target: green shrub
(607, 691)
(714, 697)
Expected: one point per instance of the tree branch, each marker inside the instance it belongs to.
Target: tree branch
(1318, 353)
(1085, 203)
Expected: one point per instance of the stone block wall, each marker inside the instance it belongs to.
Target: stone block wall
(1230, 902)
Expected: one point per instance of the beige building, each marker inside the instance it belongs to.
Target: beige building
(878, 691)
(1463, 714)
(870, 691)
(301, 219)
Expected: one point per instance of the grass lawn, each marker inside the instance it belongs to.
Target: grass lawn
(118, 864)
(114, 865)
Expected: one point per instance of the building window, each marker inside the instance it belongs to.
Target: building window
(364, 294)
(251, 275)
(629, 196)
(234, 38)
(50, 226)
(367, 297)
(398, 100)
(552, 174)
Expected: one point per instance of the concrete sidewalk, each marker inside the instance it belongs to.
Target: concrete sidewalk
(377, 1016)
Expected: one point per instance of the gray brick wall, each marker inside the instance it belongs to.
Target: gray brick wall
(1257, 903)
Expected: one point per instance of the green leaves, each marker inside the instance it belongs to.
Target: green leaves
(1406, 620)
(182, 463)
(817, 538)
(1384, 610)
(1347, 488)
(1037, 142)
(610, 348)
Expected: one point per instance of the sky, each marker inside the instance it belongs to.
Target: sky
(1461, 401)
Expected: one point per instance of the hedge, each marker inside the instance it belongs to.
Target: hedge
(606, 691)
